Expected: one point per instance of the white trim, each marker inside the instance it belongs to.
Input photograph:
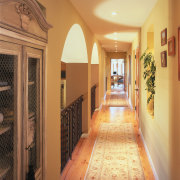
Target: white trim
(149, 156)
(105, 96)
(100, 107)
(130, 104)
(85, 135)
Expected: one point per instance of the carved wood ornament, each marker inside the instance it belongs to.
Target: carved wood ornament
(25, 15)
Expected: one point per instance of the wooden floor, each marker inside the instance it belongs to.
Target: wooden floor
(76, 168)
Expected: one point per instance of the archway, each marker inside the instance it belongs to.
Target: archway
(75, 50)
(74, 71)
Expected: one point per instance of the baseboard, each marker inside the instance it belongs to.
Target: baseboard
(149, 156)
(105, 96)
(130, 104)
(100, 107)
(86, 135)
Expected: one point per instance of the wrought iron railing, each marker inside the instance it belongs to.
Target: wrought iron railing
(71, 129)
(93, 99)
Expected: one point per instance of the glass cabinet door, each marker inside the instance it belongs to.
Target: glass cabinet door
(10, 151)
(33, 112)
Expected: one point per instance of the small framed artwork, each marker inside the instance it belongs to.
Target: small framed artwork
(179, 53)
(171, 46)
(164, 59)
(164, 37)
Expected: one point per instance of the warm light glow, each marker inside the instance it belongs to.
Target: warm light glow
(75, 50)
(123, 36)
(95, 56)
(130, 12)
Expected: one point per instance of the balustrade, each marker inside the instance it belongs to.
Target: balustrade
(71, 129)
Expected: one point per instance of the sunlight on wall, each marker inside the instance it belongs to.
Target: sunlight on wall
(116, 11)
(75, 50)
(95, 56)
(122, 36)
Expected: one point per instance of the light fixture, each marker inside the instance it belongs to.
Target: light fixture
(114, 13)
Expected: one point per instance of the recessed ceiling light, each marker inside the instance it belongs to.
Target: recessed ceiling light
(114, 13)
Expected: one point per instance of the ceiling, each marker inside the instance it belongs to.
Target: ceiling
(115, 23)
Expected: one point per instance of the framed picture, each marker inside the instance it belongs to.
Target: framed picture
(171, 46)
(164, 37)
(164, 59)
(179, 53)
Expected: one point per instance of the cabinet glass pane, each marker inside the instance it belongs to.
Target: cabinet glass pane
(33, 136)
(8, 117)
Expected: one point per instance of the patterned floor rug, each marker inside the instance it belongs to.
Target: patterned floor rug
(116, 99)
(115, 155)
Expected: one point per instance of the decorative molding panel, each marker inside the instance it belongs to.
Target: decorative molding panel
(25, 15)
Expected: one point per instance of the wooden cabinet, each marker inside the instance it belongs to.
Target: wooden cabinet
(23, 39)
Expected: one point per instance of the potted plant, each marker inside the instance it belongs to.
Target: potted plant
(149, 76)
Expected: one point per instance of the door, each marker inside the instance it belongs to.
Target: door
(137, 85)
(33, 96)
(10, 111)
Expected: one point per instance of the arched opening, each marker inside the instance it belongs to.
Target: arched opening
(74, 91)
(94, 78)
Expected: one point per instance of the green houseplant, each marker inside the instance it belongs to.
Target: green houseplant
(149, 73)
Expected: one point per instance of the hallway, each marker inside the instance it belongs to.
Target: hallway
(117, 115)
(60, 92)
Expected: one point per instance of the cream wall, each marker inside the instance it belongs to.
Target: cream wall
(156, 129)
(62, 15)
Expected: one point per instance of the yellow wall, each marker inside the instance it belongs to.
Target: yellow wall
(156, 131)
(62, 15)
(132, 52)
(174, 86)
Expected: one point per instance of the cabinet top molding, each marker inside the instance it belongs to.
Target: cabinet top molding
(24, 15)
